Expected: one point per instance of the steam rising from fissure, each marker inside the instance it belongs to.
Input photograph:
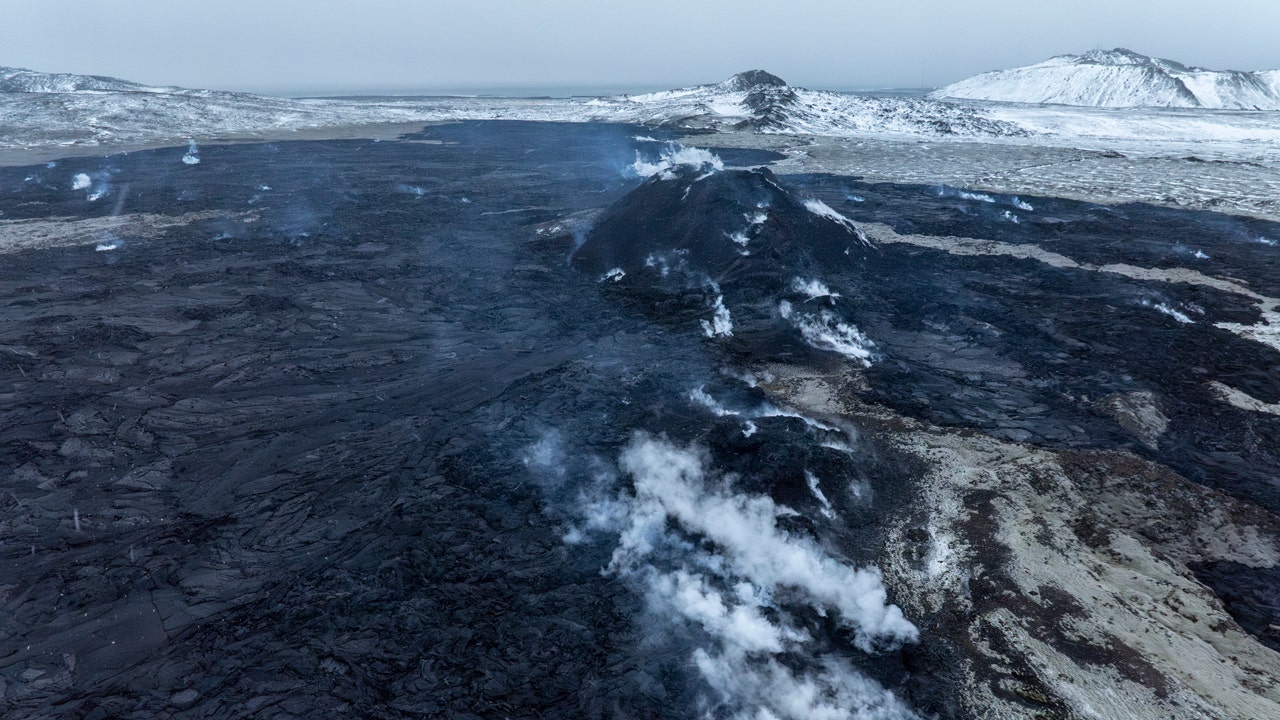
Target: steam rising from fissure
(675, 155)
(713, 560)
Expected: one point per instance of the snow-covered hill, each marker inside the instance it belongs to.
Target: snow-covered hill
(41, 113)
(39, 109)
(1122, 78)
(757, 100)
(21, 80)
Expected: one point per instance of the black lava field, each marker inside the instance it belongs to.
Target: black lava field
(388, 429)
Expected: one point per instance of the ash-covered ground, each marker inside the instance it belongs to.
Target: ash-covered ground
(512, 419)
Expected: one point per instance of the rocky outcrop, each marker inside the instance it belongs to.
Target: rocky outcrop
(1065, 583)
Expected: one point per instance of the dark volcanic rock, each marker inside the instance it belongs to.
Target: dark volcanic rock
(769, 99)
(345, 443)
(692, 218)
(771, 107)
(686, 237)
(752, 79)
(1250, 594)
(272, 468)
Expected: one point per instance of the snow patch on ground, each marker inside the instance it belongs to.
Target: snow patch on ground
(1265, 331)
(1243, 400)
(27, 234)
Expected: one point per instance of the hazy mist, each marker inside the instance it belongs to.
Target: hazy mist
(399, 45)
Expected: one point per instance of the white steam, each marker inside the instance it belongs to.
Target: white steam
(827, 511)
(736, 620)
(98, 184)
(770, 691)
(547, 456)
(823, 210)
(675, 156)
(714, 559)
(1170, 311)
(193, 154)
(667, 263)
(813, 289)
(671, 488)
(825, 331)
(721, 324)
(701, 397)
(944, 191)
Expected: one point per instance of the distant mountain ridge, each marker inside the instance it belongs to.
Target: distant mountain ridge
(22, 80)
(1121, 78)
(763, 102)
(49, 109)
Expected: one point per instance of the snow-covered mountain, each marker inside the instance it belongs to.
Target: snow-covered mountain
(21, 80)
(1122, 78)
(40, 109)
(757, 100)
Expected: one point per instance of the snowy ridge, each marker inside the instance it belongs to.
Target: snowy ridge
(759, 101)
(21, 80)
(1122, 78)
(16, 80)
(41, 110)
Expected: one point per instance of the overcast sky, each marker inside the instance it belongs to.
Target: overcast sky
(349, 45)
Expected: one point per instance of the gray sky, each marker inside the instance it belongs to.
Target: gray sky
(318, 45)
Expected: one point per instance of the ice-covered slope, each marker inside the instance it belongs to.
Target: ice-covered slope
(1122, 78)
